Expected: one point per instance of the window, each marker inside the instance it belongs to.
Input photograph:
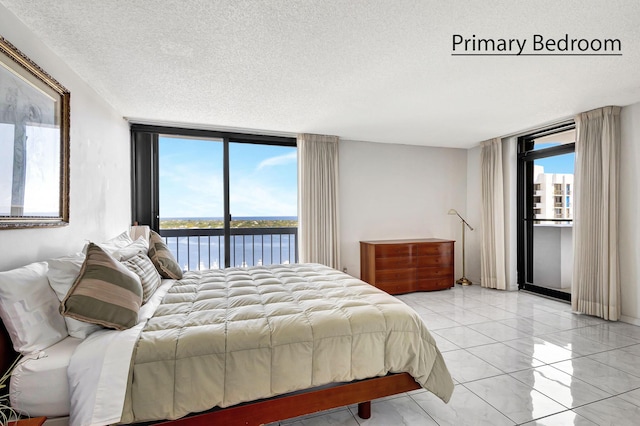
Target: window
(557, 188)
(568, 189)
(536, 200)
(218, 199)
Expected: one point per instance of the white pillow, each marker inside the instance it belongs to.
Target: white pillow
(141, 245)
(30, 309)
(115, 243)
(62, 273)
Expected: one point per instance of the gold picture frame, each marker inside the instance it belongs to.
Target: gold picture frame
(34, 144)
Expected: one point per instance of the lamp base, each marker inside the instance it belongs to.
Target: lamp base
(463, 281)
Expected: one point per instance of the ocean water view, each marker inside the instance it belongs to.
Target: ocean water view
(198, 242)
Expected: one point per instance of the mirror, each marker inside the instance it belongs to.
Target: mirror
(34, 144)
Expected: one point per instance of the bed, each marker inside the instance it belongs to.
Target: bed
(249, 346)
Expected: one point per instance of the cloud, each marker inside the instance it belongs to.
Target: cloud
(279, 160)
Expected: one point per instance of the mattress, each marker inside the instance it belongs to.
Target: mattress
(39, 384)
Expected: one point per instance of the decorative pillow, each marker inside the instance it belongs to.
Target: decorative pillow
(142, 266)
(141, 245)
(29, 308)
(62, 273)
(162, 258)
(116, 243)
(105, 293)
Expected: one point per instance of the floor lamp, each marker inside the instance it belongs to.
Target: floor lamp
(463, 280)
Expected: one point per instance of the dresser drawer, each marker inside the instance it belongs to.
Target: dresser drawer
(443, 249)
(435, 260)
(435, 284)
(396, 250)
(395, 275)
(386, 263)
(398, 287)
(434, 272)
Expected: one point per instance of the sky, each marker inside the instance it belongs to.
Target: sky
(263, 179)
(557, 164)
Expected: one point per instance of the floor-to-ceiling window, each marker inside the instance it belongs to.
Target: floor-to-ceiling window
(545, 210)
(219, 199)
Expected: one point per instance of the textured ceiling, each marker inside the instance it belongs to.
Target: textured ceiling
(371, 70)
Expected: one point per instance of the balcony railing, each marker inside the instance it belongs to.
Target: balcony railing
(196, 249)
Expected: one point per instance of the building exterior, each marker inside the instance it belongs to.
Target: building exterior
(553, 195)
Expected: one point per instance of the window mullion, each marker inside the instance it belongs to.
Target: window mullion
(227, 209)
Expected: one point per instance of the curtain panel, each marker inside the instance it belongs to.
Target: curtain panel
(596, 283)
(318, 227)
(492, 252)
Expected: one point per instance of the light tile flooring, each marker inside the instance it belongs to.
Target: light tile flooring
(516, 358)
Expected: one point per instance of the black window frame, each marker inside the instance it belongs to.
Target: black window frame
(145, 202)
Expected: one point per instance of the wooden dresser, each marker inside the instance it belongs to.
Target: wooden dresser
(403, 266)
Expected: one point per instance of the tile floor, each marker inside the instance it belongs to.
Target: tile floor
(516, 358)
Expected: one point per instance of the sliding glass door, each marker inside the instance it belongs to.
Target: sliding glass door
(263, 199)
(545, 211)
(191, 197)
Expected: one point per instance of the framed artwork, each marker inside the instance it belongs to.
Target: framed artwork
(34, 144)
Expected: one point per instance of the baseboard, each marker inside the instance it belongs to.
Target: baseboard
(630, 320)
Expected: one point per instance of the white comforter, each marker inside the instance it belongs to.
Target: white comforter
(247, 334)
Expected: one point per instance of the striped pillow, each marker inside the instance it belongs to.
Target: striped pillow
(142, 266)
(105, 293)
(162, 258)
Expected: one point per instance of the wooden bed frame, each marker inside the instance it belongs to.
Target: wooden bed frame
(255, 413)
(284, 407)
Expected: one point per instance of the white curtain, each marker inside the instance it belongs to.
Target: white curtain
(492, 252)
(318, 230)
(595, 288)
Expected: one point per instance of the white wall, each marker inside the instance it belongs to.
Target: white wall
(629, 218)
(399, 191)
(100, 204)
